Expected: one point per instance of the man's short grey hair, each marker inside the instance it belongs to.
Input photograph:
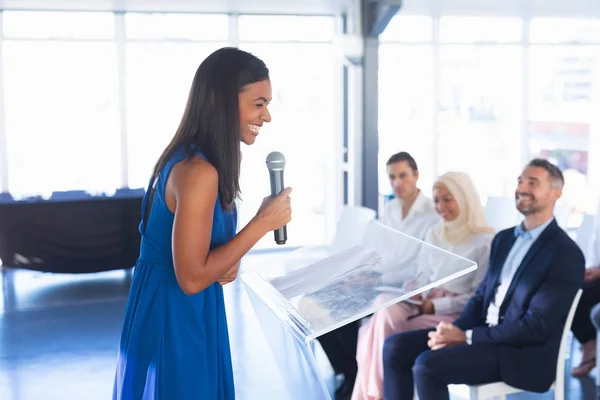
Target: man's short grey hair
(556, 175)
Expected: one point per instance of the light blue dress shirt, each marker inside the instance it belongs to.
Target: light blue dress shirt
(525, 239)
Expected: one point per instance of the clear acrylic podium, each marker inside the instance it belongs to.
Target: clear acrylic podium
(310, 293)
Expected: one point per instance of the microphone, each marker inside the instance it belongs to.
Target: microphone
(276, 164)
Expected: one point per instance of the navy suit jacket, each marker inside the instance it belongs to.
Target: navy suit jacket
(533, 313)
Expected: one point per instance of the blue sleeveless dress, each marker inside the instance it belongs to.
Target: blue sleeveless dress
(173, 346)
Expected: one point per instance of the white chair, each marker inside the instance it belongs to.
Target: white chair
(501, 212)
(501, 389)
(585, 232)
(562, 213)
(350, 229)
(351, 226)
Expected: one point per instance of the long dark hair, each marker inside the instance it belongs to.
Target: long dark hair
(211, 120)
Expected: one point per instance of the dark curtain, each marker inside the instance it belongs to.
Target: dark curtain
(71, 236)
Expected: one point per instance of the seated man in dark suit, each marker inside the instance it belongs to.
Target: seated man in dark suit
(511, 329)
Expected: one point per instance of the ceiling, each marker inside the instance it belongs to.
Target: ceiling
(308, 7)
(318, 7)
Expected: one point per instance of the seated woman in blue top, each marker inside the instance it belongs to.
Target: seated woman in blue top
(174, 343)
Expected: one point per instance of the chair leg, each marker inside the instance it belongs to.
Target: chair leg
(559, 384)
(559, 388)
(597, 358)
(8, 288)
(474, 393)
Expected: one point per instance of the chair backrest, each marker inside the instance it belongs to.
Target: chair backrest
(351, 227)
(501, 212)
(564, 341)
(585, 232)
(562, 213)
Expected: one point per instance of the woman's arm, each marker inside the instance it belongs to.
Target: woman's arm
(193, 186)
(230, 275)
(452, 305)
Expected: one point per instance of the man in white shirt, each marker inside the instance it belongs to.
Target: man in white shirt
(511, 329)
(410, 211)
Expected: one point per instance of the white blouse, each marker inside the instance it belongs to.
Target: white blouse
(420, 218)
(477, 249)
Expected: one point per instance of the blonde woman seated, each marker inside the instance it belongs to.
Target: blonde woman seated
(464, 231)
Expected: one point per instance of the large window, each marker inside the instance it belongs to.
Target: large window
(162, 52)
(61, 102)
(480, 75)
(479, 115)
(562, 103)
(91, 99)
(286, 28)
(58, 25)
(477, 29)
(182, 27)
(158, 80)
(498, 98)
(436, 94)
(406, 90)
(564, 99)
(406, 114)
(303, 122)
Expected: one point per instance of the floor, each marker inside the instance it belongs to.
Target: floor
(59, 336)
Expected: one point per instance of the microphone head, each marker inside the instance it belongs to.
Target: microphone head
(275, 161)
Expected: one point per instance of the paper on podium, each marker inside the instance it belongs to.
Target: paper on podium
(300, 299)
